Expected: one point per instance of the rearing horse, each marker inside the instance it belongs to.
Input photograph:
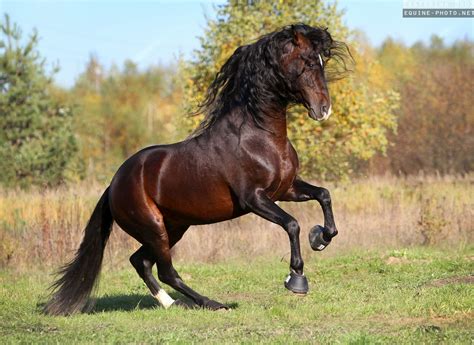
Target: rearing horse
(238, 161)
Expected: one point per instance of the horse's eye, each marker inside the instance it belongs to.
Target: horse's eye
(311, 65)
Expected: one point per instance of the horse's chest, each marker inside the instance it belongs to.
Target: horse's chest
(282, 175)
(287, 176)
(263, 165)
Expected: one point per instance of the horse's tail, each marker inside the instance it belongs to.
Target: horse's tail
(72, 290)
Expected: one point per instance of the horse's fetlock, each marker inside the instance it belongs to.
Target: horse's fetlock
(297, 265)
(333, 232)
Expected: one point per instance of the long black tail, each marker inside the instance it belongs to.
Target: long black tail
(72, 290)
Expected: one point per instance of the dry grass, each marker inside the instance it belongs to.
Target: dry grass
(43, 227)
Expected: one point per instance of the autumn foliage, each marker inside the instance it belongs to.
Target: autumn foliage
(402, 110)
(436, 114)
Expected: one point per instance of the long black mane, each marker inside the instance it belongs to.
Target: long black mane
(251, 77)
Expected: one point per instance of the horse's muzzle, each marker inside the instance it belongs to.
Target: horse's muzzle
(320, 115)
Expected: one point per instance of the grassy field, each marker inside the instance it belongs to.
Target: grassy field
(417, 295)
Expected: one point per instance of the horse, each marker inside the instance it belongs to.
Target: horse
(238, 161)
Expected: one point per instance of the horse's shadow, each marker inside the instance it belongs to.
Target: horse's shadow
(123, 302)
(138, 302)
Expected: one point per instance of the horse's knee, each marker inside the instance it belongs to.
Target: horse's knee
(293, 228)
(324, 195)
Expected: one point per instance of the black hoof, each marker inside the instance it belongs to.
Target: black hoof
(214, 305)
(316, 238)
(297, 283)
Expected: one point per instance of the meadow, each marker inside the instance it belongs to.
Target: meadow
(416, 295)
(400, 271)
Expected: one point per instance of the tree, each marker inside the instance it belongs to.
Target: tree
(362, 104)
(36, 140)
(120, 111)
(436, 117)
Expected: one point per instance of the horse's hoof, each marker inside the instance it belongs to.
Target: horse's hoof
(316, 238)
(180, 304)
(214, 305)
(297, 283)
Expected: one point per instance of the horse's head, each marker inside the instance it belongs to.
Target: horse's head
(282, 67)
(303, 61)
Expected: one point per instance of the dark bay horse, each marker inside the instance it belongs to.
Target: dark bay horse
(238, 161)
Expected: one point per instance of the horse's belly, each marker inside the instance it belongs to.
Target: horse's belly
(201, 210)
(196, 203)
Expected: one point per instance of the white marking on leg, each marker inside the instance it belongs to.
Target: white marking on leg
(164, 299)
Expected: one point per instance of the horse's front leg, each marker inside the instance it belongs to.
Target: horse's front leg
(262, 205)
(303, 191)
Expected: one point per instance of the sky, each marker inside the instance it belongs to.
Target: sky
(157, 32)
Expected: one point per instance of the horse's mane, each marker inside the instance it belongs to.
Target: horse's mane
(251, 77)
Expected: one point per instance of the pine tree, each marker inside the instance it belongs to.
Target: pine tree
(36, 139)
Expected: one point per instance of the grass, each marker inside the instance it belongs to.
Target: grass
(417, 295)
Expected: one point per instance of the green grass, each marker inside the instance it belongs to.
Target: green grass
(392, 297)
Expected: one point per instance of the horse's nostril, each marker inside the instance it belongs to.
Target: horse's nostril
(324, 110)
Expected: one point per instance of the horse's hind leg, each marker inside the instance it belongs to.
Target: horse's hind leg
(168, 275)
(155, 238)
(143, 262)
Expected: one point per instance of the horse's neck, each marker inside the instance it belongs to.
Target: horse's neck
(276, 124)
(270, 126)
